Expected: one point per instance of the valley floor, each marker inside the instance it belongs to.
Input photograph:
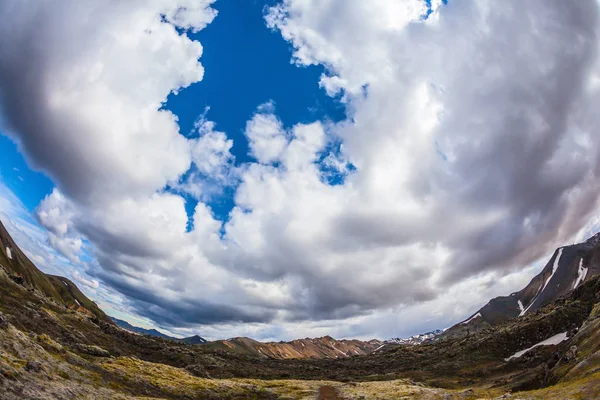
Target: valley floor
(36, 367)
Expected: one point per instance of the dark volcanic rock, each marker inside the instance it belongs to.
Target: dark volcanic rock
(3, 321)
(33, 366)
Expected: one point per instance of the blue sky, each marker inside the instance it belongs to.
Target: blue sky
(254, 69)
(29, 185)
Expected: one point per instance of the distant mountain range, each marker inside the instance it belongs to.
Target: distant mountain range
(324, 347)
(153, 332)
(416, 339)
(317, 348)
(566, 270)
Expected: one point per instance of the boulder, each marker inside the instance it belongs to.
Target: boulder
(92, 350)
(33, 366)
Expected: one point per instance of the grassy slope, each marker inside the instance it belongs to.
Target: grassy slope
(57, 288)
(21, 266)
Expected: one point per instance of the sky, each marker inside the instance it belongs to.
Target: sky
(294, 168)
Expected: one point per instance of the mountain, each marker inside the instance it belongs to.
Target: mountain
(317, 348)
(153, 332)
(566, 270)
(22, 271)
(192, 340)
(416, 339)
(325, 347)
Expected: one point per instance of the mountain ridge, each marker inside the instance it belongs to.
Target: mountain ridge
(568, 267)
(307, 348)
(62, 290)
(416, 339)
(195, 339)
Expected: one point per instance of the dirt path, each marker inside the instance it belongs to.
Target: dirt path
(328, 393)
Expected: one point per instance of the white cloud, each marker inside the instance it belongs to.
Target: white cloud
(95, 89)
(266, 136)
(213, 164)
(38, 244)
(455, 144)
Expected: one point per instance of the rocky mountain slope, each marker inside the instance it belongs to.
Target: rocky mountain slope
(318, 348)
(416, 339)
(324, 347)
(566, 270)
(153, 332)
(21, 270)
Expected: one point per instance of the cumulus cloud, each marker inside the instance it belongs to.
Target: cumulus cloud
(266, 136)
(37, 243)
(88, 80)
(472, 130)
(212, 162)
(470, 135)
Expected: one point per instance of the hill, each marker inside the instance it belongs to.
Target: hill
(153, 332)
(21, 270)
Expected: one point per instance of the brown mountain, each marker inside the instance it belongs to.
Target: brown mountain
(566, 270)
(323, 347)
(21, 270)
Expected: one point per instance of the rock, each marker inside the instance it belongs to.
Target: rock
(466, 394)
(33, 366)
(49, 344)
(571, 354)
(3, 321)
(8, 373)
(505, 396)
(92, 350)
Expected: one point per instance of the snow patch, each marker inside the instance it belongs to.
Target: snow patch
(65, 283)
(78, 303)
(339, 351)
(9, 253)
(478, 315)
(520, 307)
(554, 340)
(581, 274)
(554, 268)
(379, 348)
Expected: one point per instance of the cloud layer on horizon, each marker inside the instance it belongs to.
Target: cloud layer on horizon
(470, 135)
